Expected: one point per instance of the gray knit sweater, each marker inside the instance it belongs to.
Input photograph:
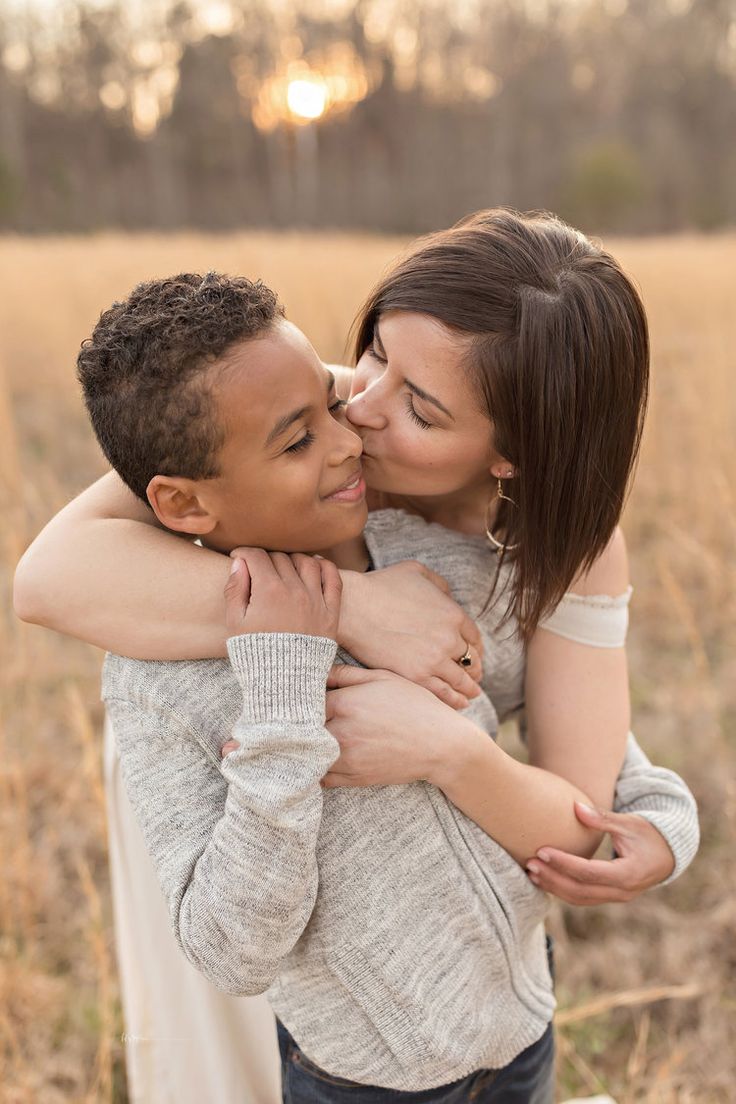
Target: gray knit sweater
(399, 944)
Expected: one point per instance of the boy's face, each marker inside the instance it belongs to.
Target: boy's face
(290, 468)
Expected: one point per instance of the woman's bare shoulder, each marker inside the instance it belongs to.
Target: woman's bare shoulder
(609, 574)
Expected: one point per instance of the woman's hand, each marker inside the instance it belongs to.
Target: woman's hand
(277, 593)
(402, 619)
(390, 731)
(643, 860)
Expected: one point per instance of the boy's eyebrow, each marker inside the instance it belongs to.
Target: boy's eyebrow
(412, 386)
(288, 419)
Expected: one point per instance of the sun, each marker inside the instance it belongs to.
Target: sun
(307, 98)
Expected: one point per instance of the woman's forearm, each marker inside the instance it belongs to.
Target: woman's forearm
(520, 806)
(102, 571)
(136, 591)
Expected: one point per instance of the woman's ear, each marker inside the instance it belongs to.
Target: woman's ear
(502, 469)
(175, 503)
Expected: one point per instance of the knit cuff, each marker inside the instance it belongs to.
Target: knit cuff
(283, 676)
(681, 833)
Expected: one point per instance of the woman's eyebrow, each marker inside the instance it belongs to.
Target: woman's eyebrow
(428, 398)
(412, 386)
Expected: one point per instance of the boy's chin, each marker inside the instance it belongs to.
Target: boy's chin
(329, 536)
(333, 532)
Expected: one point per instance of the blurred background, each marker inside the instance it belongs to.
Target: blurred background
(305, 143)
(397, 115)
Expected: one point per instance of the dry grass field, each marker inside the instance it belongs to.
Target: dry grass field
(647, 991)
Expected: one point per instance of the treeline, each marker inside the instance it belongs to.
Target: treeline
(619, 115)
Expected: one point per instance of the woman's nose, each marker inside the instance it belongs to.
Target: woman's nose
(364, 409)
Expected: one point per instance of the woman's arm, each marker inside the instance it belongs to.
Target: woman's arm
(665, 821)
(578, 717)
(655, 836)
(104, 570)
(393, 732)
(576, 695)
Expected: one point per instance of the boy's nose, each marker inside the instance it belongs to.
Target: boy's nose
(348, 441)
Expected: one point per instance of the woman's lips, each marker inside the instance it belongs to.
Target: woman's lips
(351, 491)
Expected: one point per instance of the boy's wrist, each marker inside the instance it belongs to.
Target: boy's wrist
(283, 676)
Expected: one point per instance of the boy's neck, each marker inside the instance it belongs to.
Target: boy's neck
(349, 555)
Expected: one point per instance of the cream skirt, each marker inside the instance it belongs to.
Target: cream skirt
(185, 1041)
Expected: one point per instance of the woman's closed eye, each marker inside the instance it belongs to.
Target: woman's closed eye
(413, 414)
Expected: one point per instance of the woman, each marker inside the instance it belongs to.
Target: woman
(462, 385)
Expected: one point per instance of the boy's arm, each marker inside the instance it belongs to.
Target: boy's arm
(234, 844)
(660, 796)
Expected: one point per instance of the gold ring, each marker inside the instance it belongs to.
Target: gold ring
(465, 660)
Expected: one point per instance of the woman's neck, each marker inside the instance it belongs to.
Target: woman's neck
(468, 511)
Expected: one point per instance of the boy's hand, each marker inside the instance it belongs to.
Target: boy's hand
(277, 593)
(643, 859)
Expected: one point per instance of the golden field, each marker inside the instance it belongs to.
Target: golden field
(647, 991)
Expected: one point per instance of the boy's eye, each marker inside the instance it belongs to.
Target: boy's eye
(336, 405)
(302, 443)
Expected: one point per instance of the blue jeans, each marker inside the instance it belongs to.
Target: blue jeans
(529, 1079)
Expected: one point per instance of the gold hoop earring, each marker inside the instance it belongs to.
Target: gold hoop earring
(497, 543)
(500, 494)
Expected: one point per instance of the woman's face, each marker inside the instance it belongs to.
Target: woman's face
(415, 408)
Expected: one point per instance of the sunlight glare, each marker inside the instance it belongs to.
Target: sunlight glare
(307, 98)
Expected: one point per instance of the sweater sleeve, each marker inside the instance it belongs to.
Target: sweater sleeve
(661, 797)
(234, 844)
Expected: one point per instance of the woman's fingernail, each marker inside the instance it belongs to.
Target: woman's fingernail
(585, 808)
(532, 868)
(543, 855)
(235, 565)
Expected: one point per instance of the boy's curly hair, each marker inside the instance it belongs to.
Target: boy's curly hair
(144, 371)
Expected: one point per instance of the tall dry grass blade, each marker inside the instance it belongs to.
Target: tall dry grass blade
(628, 998)
(637, 1059)
(101, 1086)
(588, 1076)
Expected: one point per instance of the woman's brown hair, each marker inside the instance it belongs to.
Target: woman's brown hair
(560, 358)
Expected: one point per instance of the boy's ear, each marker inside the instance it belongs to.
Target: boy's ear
(175, 503)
